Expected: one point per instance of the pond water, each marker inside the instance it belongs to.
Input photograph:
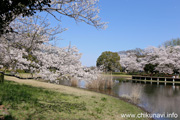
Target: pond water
(154, 98)
(162, 99)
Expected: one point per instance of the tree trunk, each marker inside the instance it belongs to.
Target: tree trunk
(1, 77)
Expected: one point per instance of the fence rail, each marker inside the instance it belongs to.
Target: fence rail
(158, 80)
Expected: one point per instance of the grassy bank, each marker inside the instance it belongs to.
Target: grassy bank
(30, 99)
(119, 76)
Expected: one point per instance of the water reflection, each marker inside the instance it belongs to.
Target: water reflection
(156, 99)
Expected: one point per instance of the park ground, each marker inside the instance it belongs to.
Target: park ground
(22, 99)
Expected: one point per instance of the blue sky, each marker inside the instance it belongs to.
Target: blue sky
(132, 24)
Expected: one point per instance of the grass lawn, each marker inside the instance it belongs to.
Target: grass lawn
(119, 76)
(31, 99)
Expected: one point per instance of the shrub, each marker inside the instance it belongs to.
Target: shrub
(101, 83)
(74, 82)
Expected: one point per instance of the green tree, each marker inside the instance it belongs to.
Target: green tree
(150, 68)
(173, 42)
(110, 61)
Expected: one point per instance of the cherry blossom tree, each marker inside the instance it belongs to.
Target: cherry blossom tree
(29, 49)
(28, 35)
(166, 58)
(130, 62)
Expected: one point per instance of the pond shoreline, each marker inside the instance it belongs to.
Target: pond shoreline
(121, 98)
(115, 96)
(118, 97)
(83, 89)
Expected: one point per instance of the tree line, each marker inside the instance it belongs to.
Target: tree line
(163, 59)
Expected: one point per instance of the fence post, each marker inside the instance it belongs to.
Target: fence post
(165, 81)
(151, 80)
